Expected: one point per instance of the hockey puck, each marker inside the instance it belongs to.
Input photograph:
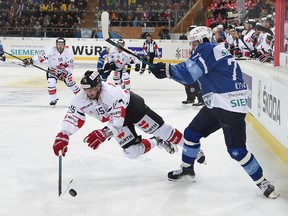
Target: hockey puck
(73, 192)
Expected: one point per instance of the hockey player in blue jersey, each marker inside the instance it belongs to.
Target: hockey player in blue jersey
(225, 95)
(2, 54)
(103, 69)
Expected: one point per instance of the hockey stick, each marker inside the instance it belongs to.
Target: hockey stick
(12, 62)
(105, 32)
(22, 61)
(239, 59)
(60, 174)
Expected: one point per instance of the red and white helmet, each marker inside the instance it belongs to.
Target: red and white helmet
(199, 33)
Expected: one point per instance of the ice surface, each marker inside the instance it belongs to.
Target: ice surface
(106, 181)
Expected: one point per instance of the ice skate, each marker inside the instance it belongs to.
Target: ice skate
(169, 147)
(188, 101)
(268, 189)
(53, 103)
(142, 71)
(184, 174)
(201, 157)
(201, 103)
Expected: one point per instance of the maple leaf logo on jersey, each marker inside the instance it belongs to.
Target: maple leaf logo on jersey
(121, 135)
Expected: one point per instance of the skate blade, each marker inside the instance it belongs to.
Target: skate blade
(274, 195)
(183, 179)
(175, 149)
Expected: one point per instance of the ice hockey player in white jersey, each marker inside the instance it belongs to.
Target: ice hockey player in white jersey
(2, 54)
(60, 67)
(120, 62)
(122, 110)
(225, 95)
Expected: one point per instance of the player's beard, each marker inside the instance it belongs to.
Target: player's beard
(60, 49)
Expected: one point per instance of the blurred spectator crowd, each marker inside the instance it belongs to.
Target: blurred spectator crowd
(145, 12)
(39, 18)
(253, 37)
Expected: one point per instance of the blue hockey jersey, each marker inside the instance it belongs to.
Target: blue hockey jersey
(218, 74)
(101, 60)
(1, 49)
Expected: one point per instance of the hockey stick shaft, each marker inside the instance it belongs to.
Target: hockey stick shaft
(60, 174)
(12, 62)
(239, 59)
(105, 32)
(22, 61)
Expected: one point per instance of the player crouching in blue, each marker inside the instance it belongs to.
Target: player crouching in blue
(225, 95)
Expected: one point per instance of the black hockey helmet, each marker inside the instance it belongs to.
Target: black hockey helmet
(60, 40)
(91, 79)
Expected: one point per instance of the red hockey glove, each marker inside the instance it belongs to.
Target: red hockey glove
(61, 143)
(95, 138)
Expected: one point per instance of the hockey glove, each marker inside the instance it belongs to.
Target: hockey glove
(137, 67)
(27, 61)
(3, 57)
(101, 71)
(61, 143)
(95, 138)
(267, 57)
(112, 66)
(161, 70)
(62, 75)
(254, 54)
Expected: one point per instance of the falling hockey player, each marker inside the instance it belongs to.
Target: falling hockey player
(225, 95)
(60, 67)
(123, 110)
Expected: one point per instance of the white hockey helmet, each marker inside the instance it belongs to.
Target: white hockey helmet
(199, 33)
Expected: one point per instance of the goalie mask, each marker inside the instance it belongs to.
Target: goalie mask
(60, 44)
(91, 83)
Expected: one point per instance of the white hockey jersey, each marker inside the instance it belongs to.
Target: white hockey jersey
(56, 62)
(248, 40)
(110, 107)
(119, 58)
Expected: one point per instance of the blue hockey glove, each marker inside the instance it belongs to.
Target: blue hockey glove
(161, 70)
(3, 57)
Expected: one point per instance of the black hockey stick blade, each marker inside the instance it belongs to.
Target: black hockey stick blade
(105, 32)
(22, 61)
(60, 174)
